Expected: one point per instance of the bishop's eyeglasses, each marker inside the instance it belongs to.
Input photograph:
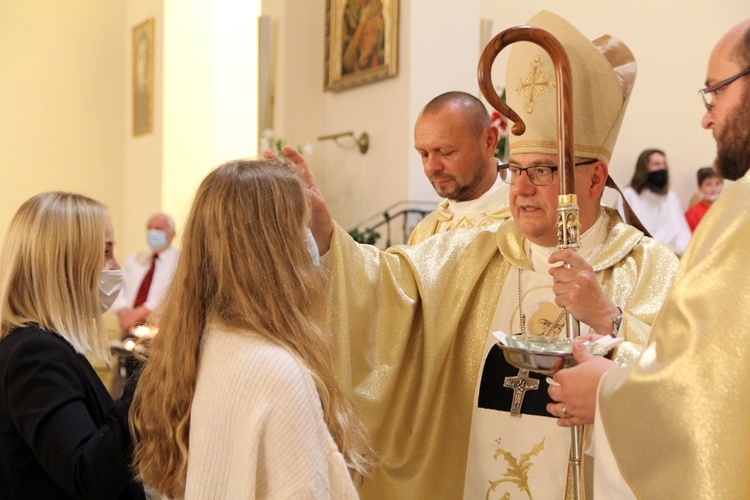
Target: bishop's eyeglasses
(540, 175)
(708, 93)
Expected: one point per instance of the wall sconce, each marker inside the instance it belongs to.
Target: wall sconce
(362, 142)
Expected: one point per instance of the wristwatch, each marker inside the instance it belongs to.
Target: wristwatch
(616, 324)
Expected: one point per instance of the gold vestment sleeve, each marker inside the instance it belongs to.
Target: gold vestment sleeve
(408, 327)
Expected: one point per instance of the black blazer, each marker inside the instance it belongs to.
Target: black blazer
(61, 435)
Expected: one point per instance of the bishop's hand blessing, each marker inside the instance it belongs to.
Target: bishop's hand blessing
(321, 224)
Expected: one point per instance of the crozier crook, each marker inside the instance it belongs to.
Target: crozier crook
(564, 93)
(568, 223)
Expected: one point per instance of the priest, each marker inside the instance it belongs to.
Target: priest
(456, 140)
(410, 327)
(677, 419)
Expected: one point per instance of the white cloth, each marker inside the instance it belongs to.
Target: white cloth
(662, 215)
(494, 199)
(533, 440)
(136, 268)
(256, 425)
(490, 208)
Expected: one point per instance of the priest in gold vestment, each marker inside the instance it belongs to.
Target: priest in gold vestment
(410, 328)
(677, 421)
(456, 140)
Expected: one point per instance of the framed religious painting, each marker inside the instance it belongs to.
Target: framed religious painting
(361, 42)
(143, 77)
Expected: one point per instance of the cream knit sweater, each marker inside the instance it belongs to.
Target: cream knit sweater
(256, 428)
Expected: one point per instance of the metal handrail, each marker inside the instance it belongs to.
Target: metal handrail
(368, 227)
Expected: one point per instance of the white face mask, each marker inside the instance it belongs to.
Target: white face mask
(712, 196)
(110, 283)
(156, 239)
(312, 248)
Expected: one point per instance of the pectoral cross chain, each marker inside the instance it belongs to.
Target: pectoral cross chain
(520, 384)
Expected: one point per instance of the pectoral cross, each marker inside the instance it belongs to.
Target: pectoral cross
(520, 384)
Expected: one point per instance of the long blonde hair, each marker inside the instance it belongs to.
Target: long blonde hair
(51, 261)
(244, 265)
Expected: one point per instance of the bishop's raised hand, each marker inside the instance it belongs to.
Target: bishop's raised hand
(321, 223)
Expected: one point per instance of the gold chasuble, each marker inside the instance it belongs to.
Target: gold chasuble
(408, 329)
(678, 421)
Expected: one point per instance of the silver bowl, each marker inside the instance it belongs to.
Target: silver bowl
(543, 355)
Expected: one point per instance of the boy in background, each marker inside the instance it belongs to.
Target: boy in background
(709, 186)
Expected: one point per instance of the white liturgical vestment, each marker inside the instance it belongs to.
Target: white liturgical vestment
(503, 445)
(490, 208)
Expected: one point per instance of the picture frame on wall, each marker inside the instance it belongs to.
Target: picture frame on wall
(143, 77)
(361, 42)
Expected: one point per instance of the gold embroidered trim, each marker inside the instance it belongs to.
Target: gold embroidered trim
(553, 145)
(517, 472)
(465, 222)
(443, 213)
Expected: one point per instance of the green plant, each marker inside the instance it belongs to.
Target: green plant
(268, 140)
(367, 236)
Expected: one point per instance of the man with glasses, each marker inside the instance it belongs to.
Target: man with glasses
(713, 90)
(410, 328)
(456, 140)
(676, 422)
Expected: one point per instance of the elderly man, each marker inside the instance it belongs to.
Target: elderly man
(677, 420)
(456, 140)
(147, 275)
(411, 327)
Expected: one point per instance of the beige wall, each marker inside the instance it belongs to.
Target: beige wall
(67, 110)
(62, 112)
(141, 171)
(210, 90)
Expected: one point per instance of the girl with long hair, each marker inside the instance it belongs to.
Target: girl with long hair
(61, 435)
(238, 398)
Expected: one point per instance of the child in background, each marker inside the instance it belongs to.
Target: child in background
(709, 185)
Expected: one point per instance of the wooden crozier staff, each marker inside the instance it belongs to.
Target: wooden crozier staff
(568, 225)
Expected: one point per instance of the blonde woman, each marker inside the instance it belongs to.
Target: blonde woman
(238, 399)
(61, 435)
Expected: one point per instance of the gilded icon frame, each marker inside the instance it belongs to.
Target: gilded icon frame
(361, 54)
(143, 77)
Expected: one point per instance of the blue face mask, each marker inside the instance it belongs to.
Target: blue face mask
(312, 248)
(156, 239)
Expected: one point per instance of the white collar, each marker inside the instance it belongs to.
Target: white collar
(591, 241)
(495, 198)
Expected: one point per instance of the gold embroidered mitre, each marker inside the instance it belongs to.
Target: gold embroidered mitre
(603, 76)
